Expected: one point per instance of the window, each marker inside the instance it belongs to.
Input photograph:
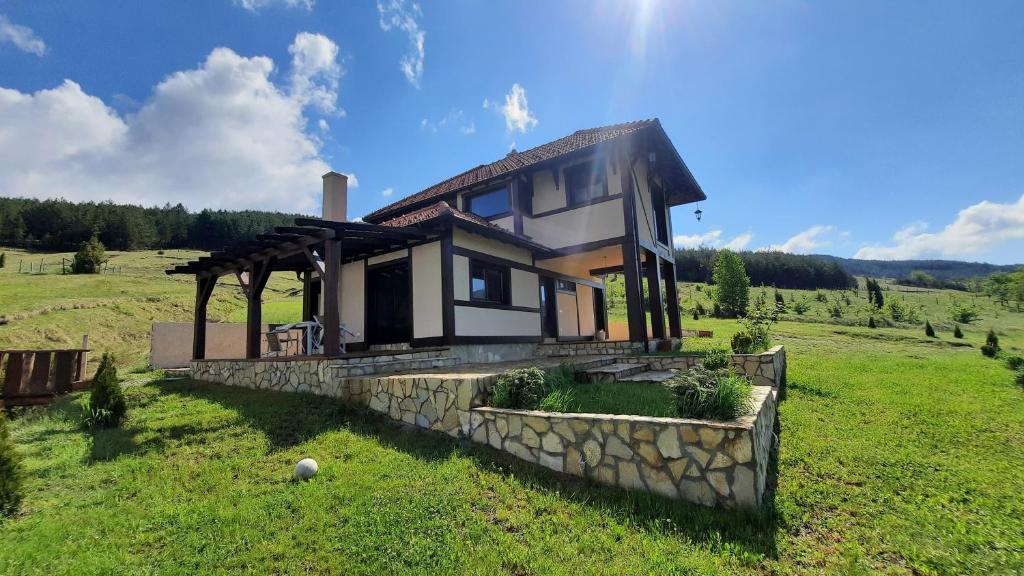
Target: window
(490, 203)
(489, 283)
(585, 182)
(566, 286)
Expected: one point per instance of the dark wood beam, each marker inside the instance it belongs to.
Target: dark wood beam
(675, 325)
(330, 285)
(653, 271)
(635, 317)
(204, 289)
(258, 276)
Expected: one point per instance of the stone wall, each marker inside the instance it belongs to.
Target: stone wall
(705, 462)
(589, 348)
(286, 375)
(765, 369)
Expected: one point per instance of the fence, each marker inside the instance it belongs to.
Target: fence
(38, 376)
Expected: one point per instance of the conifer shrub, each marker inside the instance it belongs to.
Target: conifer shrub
(1019, 378)
(107, 407)
(957, 332)
(710, 394)
(991, 346)
(928, 330)
(801, 306)
(3, 259)
(1015, 363)
(90, 256)
(10, 471)
(871, 322)
(742, 343)
(695, 315)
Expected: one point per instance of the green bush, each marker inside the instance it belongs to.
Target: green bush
(10, 471)
(900, 311)
(928, 330)
(801, 306)
(1019, 378)
(716, 359)
(963, 313)
(957, 332)
(696, 316)
(107, 407)
(732, 285)
(821, 296)
(558, 400)
(710, 394)
(991, 346)
(521, 388)
(90, 256)
(3, 259)
(742, 343)
(1015, 363)
(561, 377)
(835, 309)
(871, 322)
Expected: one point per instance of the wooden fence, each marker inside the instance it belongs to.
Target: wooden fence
(39, 376)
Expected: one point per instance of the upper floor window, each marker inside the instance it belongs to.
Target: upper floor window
(489, 283)
(586, 182)
(489, 204)
(566, 286)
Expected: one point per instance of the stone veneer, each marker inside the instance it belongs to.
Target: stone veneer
(291, 375)
(765, 369)
(588, 348)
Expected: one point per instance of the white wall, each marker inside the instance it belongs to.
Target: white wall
(426, 292)
(508, 223)
(578, 226)
(381, 258)
(460, 277)
(492, 247)
(567, 314)
(585, 303)
(351, 299)
(525, 289)
(471, 321)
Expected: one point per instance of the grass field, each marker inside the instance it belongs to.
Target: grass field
(900, 454)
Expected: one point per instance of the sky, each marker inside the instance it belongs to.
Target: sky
(866, 129)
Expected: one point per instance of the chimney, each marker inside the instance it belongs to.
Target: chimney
(335, 197)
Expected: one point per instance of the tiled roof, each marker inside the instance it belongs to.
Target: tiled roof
(442, 209)
(515, 161)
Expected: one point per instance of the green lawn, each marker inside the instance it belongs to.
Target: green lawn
(638, 398)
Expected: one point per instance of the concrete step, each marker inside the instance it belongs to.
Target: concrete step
(390, 347)
(648, 376)
(612, 372)
(345, 370)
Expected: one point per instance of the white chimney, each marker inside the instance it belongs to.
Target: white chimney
(335, 197)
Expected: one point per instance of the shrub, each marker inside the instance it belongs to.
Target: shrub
(90, 256)
(695, 315)
(700, 309)
(1019, 379)
(3, 259)
(801, 306)
(957, 332)
(732, 285)
(991, 346)
(558, 400)
(835, 309)
(963, 313)
(519, 388)
(716, 359)
(780, 301)
(561, 377)
(742, 343)
(900, 311)
(928, 330)
(871, 322)
(710, 394)
(1015, 363)
(821, 296)
(107, 406)
(10, 471)
(717, 310)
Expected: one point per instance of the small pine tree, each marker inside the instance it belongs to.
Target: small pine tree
(928, 330)
(90, 256)
(871, 322)
(10, 472)
(957, 333)
(3, 259)
(107, 406)
(696, 316)
(991, 346)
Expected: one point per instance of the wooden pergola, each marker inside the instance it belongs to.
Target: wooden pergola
(314, 249)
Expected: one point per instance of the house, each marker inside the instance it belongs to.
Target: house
(491, 261)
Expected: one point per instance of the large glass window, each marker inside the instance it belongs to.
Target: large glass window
(490, 203)
(586, 182)
(489, 283)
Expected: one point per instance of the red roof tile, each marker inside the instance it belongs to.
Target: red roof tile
(515, 161)
(441, 209)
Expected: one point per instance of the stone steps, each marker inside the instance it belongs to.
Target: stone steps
(656, 376)
(400, 362)
(612, 372)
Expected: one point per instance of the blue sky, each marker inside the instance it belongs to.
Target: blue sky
(876, 129)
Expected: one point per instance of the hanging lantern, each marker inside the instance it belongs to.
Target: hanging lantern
(698, 212)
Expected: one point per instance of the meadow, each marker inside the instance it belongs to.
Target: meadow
(900, 454)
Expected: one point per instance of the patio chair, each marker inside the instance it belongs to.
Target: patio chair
(318, 335)
(279, 343)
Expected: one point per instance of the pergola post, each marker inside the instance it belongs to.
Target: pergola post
(331, 285)
(653, 271)
(258, 276)
(631, 256)
(204, 289)
(675, 326)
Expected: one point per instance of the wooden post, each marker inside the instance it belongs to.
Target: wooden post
(257, 282)
(448, 288)
(631, 257)
(653, 270)
(331, 285)
(675, 325)
(204, 289)
(83, 359)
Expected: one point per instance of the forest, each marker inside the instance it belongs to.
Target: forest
(779, 269)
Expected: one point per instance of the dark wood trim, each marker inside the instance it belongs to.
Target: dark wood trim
(447, 288)
(498, 339)
(567, 208)
(412, 309)
(495, 306)
(675, 328)
(204, 289)
(575, 338)
(387, 263)
(357, 346)
(585, 247)
(631, 257)
(473, 254)
(500, 216)
(653, 272)
(517, 210)
(259, 274)
(331, 286)
(430, 341)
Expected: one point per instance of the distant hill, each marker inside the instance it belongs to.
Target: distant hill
(943, 269)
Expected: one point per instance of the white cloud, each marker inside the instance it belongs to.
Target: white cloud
(222, 135)
(515, 110)
(804, 242)
(713, 239)
(315, 71)
(255, 5)
(455, 119)
(22, 37)
(387, 192)
(398, 14)
(977, 228)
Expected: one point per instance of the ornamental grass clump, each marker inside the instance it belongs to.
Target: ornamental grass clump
(10, 471)
(710, 394)
(106, 407)
(716, 359)
(521, 388)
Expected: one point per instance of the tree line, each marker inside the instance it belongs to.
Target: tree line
(61, 225)
(779, 269)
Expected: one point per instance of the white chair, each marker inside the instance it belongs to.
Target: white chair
(318, 335)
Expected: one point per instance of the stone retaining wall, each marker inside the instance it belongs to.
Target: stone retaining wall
(291, 375)
(436, 402)
(701, 461)
(765, 369)
(589, 348)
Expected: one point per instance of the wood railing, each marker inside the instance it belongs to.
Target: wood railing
(39, 376)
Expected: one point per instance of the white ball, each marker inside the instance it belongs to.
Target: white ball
(306, 469)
